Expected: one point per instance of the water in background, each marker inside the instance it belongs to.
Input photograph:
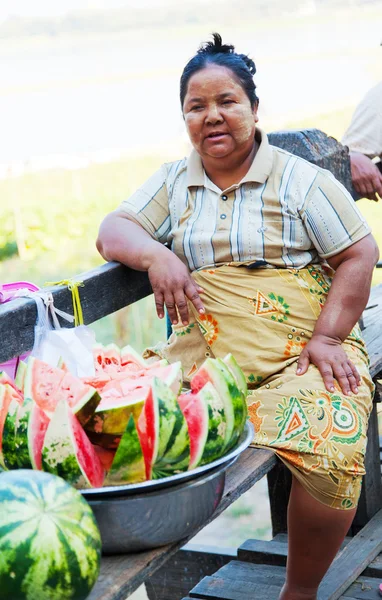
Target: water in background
(105, 95)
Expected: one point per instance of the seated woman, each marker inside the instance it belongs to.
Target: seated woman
(257, 252)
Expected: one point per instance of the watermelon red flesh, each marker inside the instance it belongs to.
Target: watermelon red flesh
(148, 431)
(31, 425)
(68, 452)
(98, 381)
(196, 414)
(42, 382)
(98, 357)
(111, 359)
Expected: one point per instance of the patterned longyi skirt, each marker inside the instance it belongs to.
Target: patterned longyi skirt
(265, 317)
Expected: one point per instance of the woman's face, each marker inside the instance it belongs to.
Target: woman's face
(219, 118)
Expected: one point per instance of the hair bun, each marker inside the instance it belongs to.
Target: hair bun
(249, 62)
(216, 47)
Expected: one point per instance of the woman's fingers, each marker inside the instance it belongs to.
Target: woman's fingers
(181, 304)
(159, 303)
(303, 363)
(326, 371)
(171, 307)
(192, 292)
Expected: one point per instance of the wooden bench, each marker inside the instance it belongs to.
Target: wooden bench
(113, 286)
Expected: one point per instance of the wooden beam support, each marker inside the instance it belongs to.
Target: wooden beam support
(106, 289)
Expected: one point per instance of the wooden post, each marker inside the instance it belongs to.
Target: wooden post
(371, 496)
(279, 485)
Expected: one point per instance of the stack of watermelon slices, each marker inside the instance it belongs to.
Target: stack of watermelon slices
(127, 424)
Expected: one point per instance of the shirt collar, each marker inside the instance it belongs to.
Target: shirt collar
(258, 172)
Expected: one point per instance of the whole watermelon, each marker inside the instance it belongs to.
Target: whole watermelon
(50, 545)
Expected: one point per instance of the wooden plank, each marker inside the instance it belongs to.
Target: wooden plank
(355, 557)
(370, 501)
(372, 332)
(121, 575)
(274, 552)
(214, 588)
(185, 569)
(237, 570)
(364, 588)
(374, 569)
(106, 289)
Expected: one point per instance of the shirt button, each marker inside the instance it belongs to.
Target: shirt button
(224, 197)
(223, 216)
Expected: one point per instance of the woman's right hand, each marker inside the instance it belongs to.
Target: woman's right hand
(173, 285)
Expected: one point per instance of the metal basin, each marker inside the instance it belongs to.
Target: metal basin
(155, 513)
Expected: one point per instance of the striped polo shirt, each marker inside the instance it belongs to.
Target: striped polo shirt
(285, 212)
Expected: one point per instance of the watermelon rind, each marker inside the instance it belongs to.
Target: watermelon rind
(50, 545)
(20, 374)
(5, 400)
(129, 355)
(241, 382)
(61, 450)
(215, 371)
(31, 425)
(9, 448)
(217, 424)
(168, 410)
(113, 412)
(128, 465)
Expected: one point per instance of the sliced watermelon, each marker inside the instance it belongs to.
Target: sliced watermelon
(195, 411)
(106, 456)
(9, 449)
(68, 453)
(20, 374)
(128, 465)
(98, 357)
(235, 408)
(97, 381)
(162, 362)
(129, 357)
(114, 410)
(172, 375)
(7, 380)
(31, 425)
(148, 431)
(112, 359)
(156, 424)
(83, 399)
(5, 400)
(42, 382)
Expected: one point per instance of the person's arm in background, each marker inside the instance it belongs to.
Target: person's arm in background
(366, 177)
(364, 140)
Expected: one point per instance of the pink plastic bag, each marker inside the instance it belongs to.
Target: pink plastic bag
(7, 292)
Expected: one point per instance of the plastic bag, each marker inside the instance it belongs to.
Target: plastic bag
(54, 343)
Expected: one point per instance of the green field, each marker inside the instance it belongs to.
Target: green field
(50, 221)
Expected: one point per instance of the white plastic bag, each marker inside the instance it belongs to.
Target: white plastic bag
(54, 343)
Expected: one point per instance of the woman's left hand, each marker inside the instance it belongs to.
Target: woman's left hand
(332, 361)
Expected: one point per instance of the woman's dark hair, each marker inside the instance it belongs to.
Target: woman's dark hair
(223, 55)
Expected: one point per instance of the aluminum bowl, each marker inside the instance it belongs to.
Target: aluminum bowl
(163, 511)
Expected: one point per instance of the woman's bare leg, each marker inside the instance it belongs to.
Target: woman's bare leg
(315, 533)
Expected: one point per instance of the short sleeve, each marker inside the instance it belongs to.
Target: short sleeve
(331, 216)
(149, 206)
(364, 133)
